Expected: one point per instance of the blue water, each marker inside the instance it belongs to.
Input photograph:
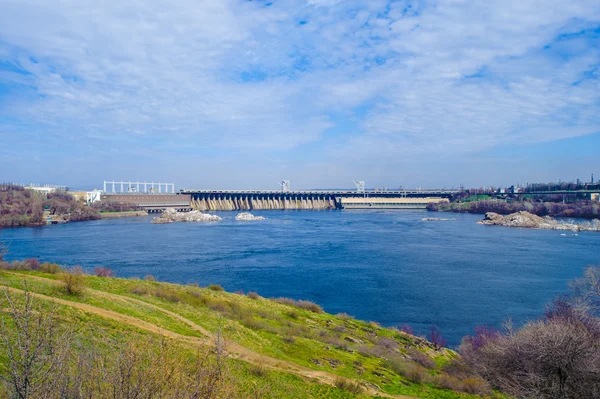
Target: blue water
(384, 266)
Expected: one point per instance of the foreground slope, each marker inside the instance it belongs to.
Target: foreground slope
(282, 348)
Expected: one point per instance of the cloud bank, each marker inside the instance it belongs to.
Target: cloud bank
(320, 90)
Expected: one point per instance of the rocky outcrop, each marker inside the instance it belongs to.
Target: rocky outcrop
(171, 215)
(526, 219)
(247, 216)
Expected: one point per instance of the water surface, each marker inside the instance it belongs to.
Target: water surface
(386, 266)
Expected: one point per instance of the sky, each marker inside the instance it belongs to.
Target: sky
(220, 94)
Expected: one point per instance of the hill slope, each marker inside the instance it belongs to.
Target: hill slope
(276, 348)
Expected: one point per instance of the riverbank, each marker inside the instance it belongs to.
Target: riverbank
(578, 209)
(124, 214)
(331, 354)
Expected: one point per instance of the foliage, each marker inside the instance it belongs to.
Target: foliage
(21, 207)
(73, 280)
(578, 209)
(342, 346)
(46, 362)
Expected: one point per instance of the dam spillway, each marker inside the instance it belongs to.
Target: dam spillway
(230, 200)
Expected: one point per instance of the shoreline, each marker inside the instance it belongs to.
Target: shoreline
(124, 214)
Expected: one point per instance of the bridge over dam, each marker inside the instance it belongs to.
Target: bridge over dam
(222, 200)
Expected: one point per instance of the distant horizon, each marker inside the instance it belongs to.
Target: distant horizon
(274, 188)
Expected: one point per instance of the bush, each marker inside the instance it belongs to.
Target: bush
(50, 268)
(167, 293)
(140, 289)
(412, 371)
(387, 343)
(258, 371)
(407, 329)
(149, 277)
(215, 287)
(476, 386)
(446, 381)
(344, 316)
(253, 295)
(308, 305)
(74, 280)
(103, 272)
(420, 358)
(32, 264)
(436, 338)
(557, 357)
(349, 386)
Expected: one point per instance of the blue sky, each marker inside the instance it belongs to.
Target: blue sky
(243, 94)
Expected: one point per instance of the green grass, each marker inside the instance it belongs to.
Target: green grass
(318, 341)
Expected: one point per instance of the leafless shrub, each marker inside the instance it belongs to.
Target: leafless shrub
(3, 251)
(215, 287)
(167, 293)
(302, 304)
(475, 386)
(407, 329)
(412, 371)
(586, 291)
(50, 268)
(436, 338)
(285, 301)
(253, 295)
(149, 277)
(140, 289)
(420, 358)
(103, 272)
(553, 358)
(349, 386)
(387, 343)
(73, 280)
(33, 344)
(258, 371)
(32, 264)
(446, 381)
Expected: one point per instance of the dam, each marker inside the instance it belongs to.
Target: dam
(233, 200)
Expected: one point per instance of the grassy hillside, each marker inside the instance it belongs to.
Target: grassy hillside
(275, 348)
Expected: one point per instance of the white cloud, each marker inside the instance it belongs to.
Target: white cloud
(227, 75)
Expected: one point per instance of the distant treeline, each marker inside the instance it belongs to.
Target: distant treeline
(22, 207)
(578, 209)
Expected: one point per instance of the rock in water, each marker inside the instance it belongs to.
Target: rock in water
(247, 216)
(526, 219)
(171, 215)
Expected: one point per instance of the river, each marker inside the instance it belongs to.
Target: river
(385, 266)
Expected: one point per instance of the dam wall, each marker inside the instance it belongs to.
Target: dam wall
(233, 202)
(315, 200)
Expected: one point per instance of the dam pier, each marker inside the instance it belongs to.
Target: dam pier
(232, 200)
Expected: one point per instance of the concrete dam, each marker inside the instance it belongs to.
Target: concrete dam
(233, 200)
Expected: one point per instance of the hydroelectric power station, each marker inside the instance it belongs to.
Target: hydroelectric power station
(156, 197)
(222, 200)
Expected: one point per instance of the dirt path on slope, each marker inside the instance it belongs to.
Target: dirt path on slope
(235, 350)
